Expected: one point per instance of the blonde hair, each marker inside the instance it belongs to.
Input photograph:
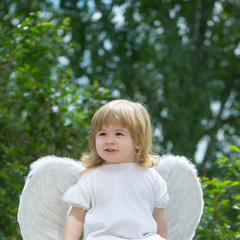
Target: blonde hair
(131, 115)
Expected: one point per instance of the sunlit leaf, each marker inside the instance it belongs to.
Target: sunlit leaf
(235, 148)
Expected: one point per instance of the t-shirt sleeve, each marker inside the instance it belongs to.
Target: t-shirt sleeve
(161, 194)
(79, 194)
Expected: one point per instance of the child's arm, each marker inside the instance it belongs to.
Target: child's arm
(160, 218)
(74, 225)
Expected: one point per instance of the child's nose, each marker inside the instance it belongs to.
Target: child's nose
(109, 140)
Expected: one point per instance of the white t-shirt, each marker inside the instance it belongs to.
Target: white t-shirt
(120, 199)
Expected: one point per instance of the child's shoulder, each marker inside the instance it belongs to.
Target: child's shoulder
(87, 174)
(155, 174)
(89, 171)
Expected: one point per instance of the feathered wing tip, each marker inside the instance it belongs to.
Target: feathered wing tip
(41, 213)
(185, 207)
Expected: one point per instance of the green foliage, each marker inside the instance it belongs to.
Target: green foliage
(178, 57)
(41, 112)
(181, 58)
(221, 217)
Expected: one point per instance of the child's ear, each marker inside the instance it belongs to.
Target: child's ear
(137, 146)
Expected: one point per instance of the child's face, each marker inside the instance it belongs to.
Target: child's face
(114, 144)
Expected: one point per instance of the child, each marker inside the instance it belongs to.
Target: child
(120, 195)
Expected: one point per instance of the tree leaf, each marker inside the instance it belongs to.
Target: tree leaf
(235, 148)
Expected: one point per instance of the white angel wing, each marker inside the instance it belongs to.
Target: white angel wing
(41, 213)
(185, 207)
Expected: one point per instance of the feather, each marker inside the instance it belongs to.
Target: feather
(185, 207)
(41, 213)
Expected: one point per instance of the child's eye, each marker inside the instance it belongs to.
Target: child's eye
(101, 134)
(119, 134)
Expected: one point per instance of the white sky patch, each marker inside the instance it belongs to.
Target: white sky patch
(82, 81)
(107, 2)
(201, 149)
(172, 12)
(71, 108)
(56, 3)
(107, 45)
(67, 38)
(86, 59)
(182, 26)
(137, 17)
(91, 4)
(215, 107)
(55, 109)
(96, 16)
(220, 135)
(67, 122)
(63, 60)
(118, 12)
(116, 93)
(218, 8)
(158, 133)
(237, 51)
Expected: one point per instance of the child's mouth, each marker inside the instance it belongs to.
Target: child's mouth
(110, 150)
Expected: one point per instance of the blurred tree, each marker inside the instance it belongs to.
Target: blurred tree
(41, 112)
(13, 12)
(178, 57)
